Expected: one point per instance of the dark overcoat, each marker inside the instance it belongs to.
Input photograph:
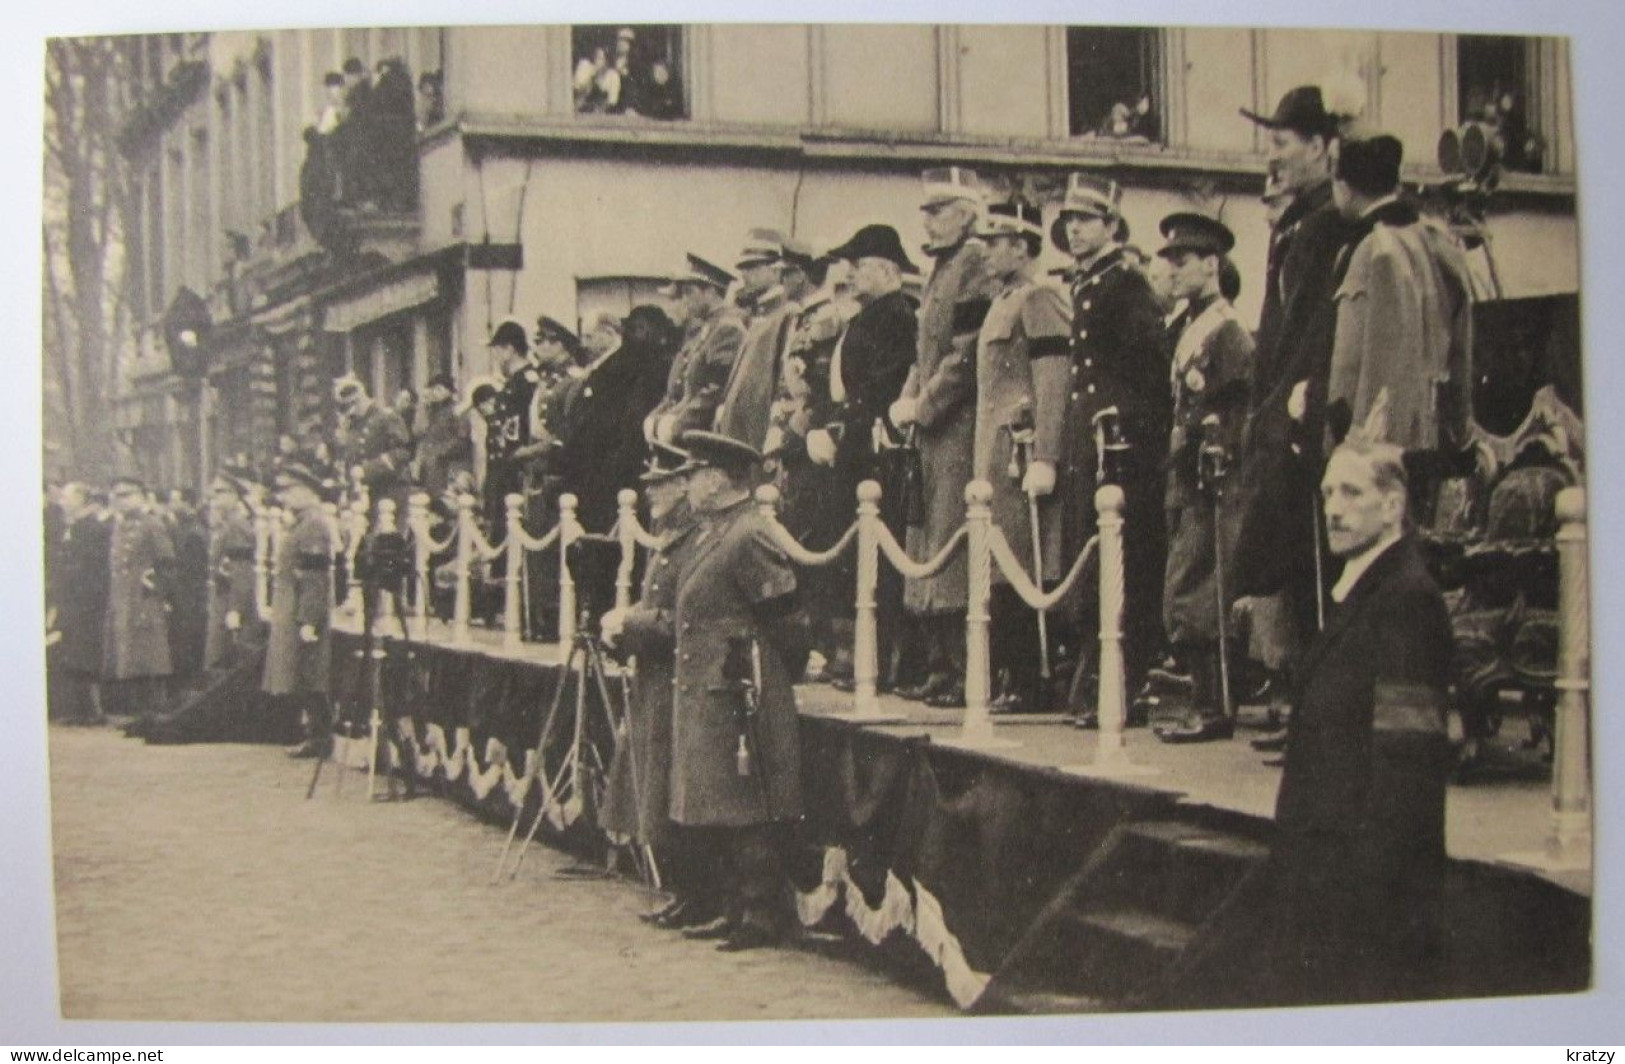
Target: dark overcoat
(79, 584)
(603, 447)
(700, 372)
(747, 399)
(231, 586)
(136, 639)
(301, 594)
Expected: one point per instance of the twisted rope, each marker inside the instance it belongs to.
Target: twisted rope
(801, 555)
(919, 570)
(1016, 574)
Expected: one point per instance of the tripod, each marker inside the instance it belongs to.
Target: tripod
(580, 773)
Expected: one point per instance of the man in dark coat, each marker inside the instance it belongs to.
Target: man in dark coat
(299, 649)
(939, 399)
(1359, 860)
(80, 570)
(864, 377)
(135, 643)
(189, 590)
(442, 435)
(747, 399)
(1276, 480)
(740, 642)
(356, 137)
(374, 438)
(508, 427)
(1119, 365)
(233, 611)
(714, 333)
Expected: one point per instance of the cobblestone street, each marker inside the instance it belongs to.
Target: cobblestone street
(196, 883)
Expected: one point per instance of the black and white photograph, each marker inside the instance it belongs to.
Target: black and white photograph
(636, 522)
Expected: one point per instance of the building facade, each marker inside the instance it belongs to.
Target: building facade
(563, 170)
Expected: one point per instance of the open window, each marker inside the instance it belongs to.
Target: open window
(629, 70)
(1497, 87)
(1114, 82)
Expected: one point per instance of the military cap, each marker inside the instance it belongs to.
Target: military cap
(1370, 165)
(509, 333)
(1011, 219)
(1087, 196)
(698, 270)
(1302, 110)
(762, 247)
(949, 183)
(665, 462)
(555, 330)
(1186, 231)
(712, 450)
(875, 242)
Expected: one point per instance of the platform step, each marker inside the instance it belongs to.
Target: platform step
(1158, 932)
(1180, 871)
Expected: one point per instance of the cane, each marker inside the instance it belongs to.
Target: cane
(1213, 470)
(1022, 435)
(1320, 573)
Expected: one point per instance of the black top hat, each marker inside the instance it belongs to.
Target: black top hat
(1302, 110)
(875, 242)
(510, 334)
(1185, 231)
(646, 316)
(714, 450)
(665, 462)
(1370, 165)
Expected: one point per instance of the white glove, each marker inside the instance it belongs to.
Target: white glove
(307, 633)
(821, 447)
(664, 428)
(1040, 479)
(904, 412)
(1297, 404)
(774, 440)
(234, 621)
(613, 624)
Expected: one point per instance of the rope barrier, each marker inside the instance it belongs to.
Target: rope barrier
(908, 566)
(1016, 574)
(801, 555)
(533, 544)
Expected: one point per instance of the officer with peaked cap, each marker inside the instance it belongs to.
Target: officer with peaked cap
(740, 645)
(747, 398)
(298, 651)
(135, 641)
(1211, 373)
(1119, 364)
(939, 399)
(1022, 383)
(509, 429)
(715, 331)
(233, 614)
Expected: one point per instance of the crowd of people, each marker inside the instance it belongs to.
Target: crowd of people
(1271, 479)
(622, 78)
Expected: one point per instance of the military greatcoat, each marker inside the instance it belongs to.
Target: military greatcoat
(1021, 361)
(301, 594)
(700, 372)
(136, 640)
(736, 583)
(943, 384)
(231, 589)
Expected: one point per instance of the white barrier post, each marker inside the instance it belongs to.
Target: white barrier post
(463, 607)
(389, 626)
(569, 532)
(977, 731)
(626, 502)
(513, 622)
(865, 633)
(263, 521)
(417, 520)
(1568, 846)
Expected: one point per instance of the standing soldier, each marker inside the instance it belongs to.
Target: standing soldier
(443, 439)
(1212, 371)
(508, 423)
(1022, 382)
(1119, 364)
(136, 639)
(739, 645)
(638, 802)
(939, 398)
(748, 398)
(299, 649)
(699, 373)
(376, 440)
(233, 613)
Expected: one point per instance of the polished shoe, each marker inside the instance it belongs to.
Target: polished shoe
(710, 931)
(1197, 730)
(932, 686)
(1270, 744)
(665, 912)
(748, 937)
(948, 698)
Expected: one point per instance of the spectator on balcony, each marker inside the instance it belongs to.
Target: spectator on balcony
(318, 186)
(628, 78)
(594, 82)
(332, 115)
(659, 95)
(394, 138)
(355, 137)
(431, 100)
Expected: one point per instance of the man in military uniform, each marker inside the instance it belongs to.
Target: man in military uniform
(78, 607)
(508, 428)
(1119, 363)
(375, 440)
(715, 332)
(1211, 372)
(939, 398)
(747, 400)
(135, 641)
(1022, 382)
(233, 613)
(299, 650)
(864, 377)
(638, 800)
(740, 643)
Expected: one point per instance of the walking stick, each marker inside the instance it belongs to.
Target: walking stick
(1320, 573)
(1022, 434)
(1214, 467)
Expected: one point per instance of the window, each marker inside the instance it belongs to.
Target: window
(1496, 86)
(1113, 80)
(628, 70)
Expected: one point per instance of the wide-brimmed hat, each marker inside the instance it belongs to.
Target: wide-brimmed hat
(713, 450)
(665, 462)
(1011, 219)
(698, 270)
(1188, 231)
(875, 242)
(946, 184)
(1302, 110)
